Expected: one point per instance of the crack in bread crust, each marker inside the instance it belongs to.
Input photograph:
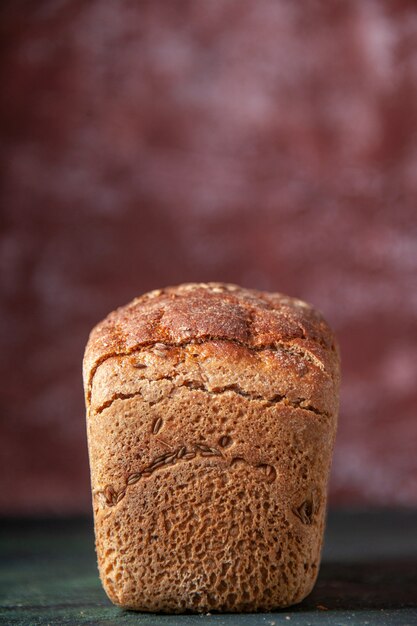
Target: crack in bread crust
(278, 346)
(300, 403)
(109, 496)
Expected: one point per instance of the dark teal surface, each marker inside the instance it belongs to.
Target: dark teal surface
(368, 576)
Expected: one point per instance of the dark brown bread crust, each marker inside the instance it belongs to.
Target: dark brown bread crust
(197, 311)
(211, 417)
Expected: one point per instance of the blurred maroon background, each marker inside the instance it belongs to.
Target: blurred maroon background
(270, 143)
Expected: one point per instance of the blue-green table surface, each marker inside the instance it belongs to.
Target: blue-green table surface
(368, 575)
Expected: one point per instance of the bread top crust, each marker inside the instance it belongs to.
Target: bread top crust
(195, 312)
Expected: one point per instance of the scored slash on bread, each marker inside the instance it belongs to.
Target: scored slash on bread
(211, 418)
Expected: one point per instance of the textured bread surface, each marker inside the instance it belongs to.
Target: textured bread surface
(211, 418)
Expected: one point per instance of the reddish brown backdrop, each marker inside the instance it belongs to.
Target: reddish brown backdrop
(269, 143)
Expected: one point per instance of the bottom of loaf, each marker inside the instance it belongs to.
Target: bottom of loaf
(210, 538)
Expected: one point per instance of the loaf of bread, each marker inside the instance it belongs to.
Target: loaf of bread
(211, 418)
